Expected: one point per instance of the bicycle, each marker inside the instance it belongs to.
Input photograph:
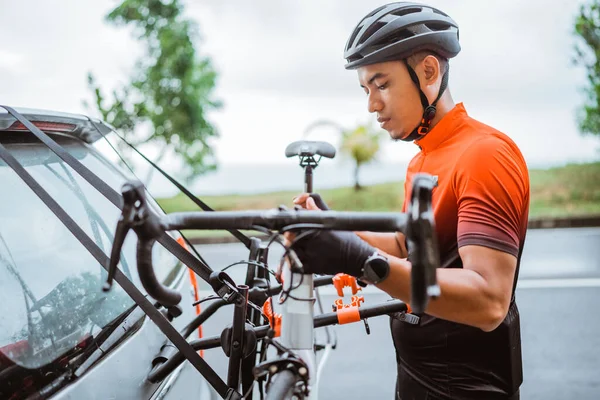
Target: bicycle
(293, 371)
(240, 340)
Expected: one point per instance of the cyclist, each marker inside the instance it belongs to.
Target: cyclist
(467, 344)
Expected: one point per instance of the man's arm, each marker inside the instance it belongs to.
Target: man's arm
(393, 244)
(477, 295)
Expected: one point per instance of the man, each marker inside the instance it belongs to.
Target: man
(467, 344)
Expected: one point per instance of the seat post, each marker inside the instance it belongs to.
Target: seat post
(308, 179)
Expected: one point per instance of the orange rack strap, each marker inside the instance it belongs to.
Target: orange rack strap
(194, 282)
(274, 318)
(348, 313)
(340, 281)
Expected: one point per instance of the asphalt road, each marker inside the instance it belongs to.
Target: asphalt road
(558, 296)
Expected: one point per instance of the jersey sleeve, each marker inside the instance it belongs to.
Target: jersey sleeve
(491, 185)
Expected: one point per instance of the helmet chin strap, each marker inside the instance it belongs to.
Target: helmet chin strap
(429, 109)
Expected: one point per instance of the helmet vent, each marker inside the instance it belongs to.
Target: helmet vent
(351, 41)
(398, 36)
(372, 29)
(437, 26)
(375, 11)
(405, 11)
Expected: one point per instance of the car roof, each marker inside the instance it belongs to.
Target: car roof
(85, 128)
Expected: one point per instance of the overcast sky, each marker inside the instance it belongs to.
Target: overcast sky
(280, 67)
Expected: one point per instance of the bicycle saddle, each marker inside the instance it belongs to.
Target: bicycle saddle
(308, 148)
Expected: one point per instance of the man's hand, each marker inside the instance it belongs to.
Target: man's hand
(311, 201)
(329, 252)
(332, 252)
(387, 243)
(308, 201)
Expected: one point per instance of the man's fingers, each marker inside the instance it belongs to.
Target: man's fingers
(311, 205)
(301, 199)
(319, 201)
(305, 200)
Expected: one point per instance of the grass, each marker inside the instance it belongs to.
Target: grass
(565, 191)
(572, 190)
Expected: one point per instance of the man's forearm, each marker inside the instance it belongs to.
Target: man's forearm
(463, 296)
(386, 242)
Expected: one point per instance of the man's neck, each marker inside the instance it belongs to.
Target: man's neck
(443, 106)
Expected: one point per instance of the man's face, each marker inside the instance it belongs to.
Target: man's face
(393, 96)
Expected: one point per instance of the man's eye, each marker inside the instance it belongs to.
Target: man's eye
(384, 86)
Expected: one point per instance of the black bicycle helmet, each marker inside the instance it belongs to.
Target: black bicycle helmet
(398, 30)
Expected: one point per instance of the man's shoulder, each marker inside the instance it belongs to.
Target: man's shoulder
(488, 144)
(493, 160)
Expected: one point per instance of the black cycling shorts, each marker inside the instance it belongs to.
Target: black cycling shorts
(408, 388)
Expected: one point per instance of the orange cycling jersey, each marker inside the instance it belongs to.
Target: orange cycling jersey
(482, 198)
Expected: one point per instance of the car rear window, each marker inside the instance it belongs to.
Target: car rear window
(50, 286)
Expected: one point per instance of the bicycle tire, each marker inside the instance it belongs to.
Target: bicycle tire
(282, 387)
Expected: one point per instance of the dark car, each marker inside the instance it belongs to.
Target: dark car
(53, 310)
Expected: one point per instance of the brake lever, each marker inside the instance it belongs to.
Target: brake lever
(422, 242)
(131, 199)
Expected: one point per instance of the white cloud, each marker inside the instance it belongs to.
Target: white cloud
(10, 61)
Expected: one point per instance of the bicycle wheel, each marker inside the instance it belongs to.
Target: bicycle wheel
(282, 387)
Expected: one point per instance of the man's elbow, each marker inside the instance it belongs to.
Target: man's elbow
(494, 316)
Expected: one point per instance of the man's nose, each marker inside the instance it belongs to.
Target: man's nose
(374, 104)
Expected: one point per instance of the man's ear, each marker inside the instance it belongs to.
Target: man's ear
(431, 68)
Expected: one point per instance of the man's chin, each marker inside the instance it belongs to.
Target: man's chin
(396, 135)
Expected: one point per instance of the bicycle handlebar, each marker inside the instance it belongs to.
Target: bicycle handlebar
(137, 215)
(422, 244)
(417, 224)
(279, 219)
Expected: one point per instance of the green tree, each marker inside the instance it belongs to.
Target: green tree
(362, 144)
(587, 54)
(171, 89)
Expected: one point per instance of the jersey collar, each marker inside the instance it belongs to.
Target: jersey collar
(444, 129)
